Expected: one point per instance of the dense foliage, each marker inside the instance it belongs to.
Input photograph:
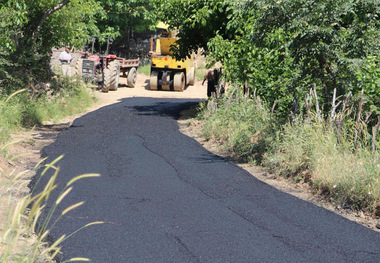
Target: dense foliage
(312, 72)
(29, 29)
(121, 17)
(284, 48)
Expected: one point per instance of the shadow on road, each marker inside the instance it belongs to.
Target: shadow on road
(170, 108)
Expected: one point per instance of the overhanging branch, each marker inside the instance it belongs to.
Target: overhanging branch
(50, 12)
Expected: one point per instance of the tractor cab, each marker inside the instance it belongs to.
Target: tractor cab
(97, 49)
(95, 60)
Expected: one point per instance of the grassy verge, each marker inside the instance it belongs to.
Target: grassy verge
(311, 153)
(145, 69)
(21, 238)
(200, 71)
(65, 97)
(305, 150)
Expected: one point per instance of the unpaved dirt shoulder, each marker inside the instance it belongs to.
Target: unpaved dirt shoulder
(191, 127)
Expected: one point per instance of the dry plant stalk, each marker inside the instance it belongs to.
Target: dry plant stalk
(308, 103)
(317, 102)
(375, 129)
(334, 107)
(230, 97)
(274, 106)
(358, 127)
(26, 215)
(246, 90)
(340, 117)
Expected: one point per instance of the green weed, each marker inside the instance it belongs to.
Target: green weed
(200, 71)
(145, 69)
(241, 127)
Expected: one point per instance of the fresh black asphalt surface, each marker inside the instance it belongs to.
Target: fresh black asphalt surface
(164, 198)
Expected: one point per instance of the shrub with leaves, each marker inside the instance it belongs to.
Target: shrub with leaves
(283, 48)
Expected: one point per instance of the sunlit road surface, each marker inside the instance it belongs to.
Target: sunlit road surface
(164, 198)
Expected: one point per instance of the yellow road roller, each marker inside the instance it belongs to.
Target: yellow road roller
(166, 72)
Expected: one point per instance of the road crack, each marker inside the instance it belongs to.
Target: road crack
(248, 220)
(174, 168)
(184, 247)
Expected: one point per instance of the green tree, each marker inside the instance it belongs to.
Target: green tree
(199, 21)
(327, 39)
(122, 16)
(282, 48)
(31, 28)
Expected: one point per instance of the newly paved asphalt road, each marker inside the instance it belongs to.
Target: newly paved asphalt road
(166, 199)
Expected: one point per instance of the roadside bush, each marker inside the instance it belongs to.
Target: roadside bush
(309, 152)
(10, 117)
(200, 71)
(335, 162)
(293, 148)
(68, 97)
(145, 69)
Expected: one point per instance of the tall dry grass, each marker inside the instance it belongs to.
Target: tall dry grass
(310, 152)
(338, 156)
(27, 222)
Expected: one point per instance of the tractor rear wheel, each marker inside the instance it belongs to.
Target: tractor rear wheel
(132, 76)
(111, 76)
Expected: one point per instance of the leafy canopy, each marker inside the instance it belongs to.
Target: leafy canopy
(29, 29)
(282, 48)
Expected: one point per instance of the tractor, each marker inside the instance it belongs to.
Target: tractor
(104, 69)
